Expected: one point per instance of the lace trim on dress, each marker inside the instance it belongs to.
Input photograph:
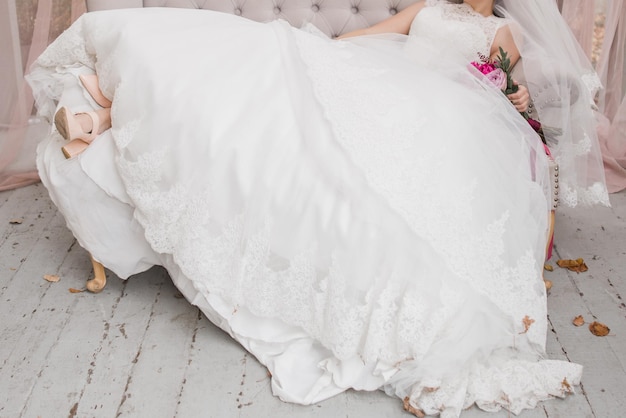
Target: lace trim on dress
(593, 195)
(592, 82)
(464, 13)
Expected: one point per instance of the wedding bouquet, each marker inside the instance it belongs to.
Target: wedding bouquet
(498, 74)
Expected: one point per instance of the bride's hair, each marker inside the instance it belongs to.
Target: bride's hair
(495, 9)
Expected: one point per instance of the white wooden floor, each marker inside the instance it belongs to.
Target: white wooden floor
(139, 349)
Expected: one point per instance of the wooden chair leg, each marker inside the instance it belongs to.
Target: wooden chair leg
(96, 284)
(551, 220)
(554, 176)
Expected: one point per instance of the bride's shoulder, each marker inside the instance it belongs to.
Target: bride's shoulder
(507, 29)
(505, 38)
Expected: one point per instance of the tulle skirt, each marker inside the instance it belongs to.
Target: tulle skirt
(358, 214)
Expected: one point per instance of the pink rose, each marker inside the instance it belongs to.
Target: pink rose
(497, 78)
(484, 67)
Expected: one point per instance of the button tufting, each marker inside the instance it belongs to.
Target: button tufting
(315, 8)
(354, 10)
(393, 11)
(276, 10)
(238, 11)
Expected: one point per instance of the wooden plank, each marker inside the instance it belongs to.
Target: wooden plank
(158, 374)
(574, 405)
(22, 294)
(559, 317)
(113, 364)
(603, 287)
(34, 314)
(85, 368)
(31, 205)
(65, 353)
(24, 203)
(604, 376)
(213, 377)
(223, 379)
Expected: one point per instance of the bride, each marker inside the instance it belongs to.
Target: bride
(362, 213)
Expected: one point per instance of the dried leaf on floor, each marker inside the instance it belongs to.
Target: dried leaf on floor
(579, 321)
(16, 221)
(72, 290)
(577, 265)
(548, 267)
(599, 329)
(527, 321)
(409, 408)
(53, 278)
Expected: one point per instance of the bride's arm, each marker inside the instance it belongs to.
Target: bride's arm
(504, 39)
(398, 23)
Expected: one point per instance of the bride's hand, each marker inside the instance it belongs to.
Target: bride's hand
(521, 98)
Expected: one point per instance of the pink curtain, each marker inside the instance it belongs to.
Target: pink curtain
(26, 28)
(580, 14)
(611, 63)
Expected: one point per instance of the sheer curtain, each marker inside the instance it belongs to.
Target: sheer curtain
(612, 121)
(605, 21)
(26, 28)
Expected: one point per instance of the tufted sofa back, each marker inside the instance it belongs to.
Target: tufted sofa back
(333, 17)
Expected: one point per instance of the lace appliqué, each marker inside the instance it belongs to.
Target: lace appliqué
(69, 47)
(592, 82)
(586, 195)
(497, 385)
(595, 194)
(458, 27)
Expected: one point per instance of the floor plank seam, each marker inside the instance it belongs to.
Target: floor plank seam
(190, 350)
(135, 360)
(620, 302)
(32, 314)
(95, 355)
(556, 337)
(582, 389)
(239, 400)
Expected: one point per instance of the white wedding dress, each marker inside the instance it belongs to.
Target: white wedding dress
(359, 214)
